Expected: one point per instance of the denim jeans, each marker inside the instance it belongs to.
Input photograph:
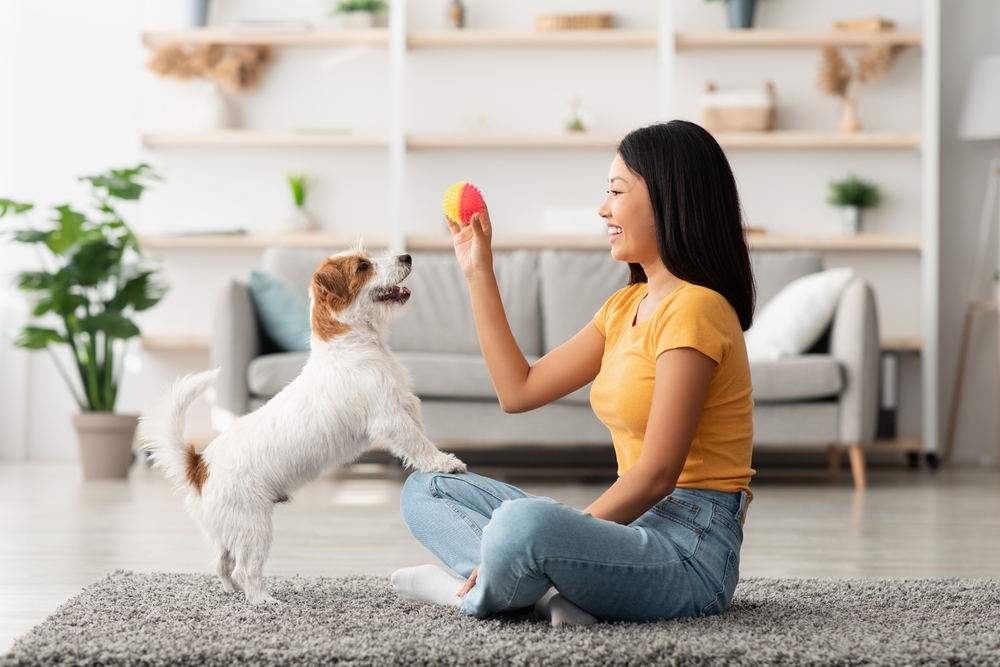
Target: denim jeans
(681, 558)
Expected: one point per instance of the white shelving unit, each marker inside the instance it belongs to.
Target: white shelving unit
(667, 40)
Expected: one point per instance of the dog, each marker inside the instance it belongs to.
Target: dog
(352, 392)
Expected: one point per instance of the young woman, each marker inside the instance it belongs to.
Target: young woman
(671, 383)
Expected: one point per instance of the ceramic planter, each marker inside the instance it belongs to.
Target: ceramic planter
(105, 441)
(358, 20)
(740, 13)
(852, 217)
(299, 219)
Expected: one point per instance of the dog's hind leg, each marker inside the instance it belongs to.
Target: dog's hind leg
(251, 544)
(224, 564)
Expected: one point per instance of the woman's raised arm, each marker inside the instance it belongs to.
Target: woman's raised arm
(520, 386)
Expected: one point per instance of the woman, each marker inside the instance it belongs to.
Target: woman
(671, 383)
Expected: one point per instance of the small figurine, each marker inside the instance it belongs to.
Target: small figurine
(456, 14)
(461, 201)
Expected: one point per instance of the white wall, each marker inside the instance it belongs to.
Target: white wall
(75, 100)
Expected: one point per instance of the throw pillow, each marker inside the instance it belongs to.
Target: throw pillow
(797, 316)
(283, 312)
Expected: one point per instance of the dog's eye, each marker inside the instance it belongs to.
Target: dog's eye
(363, 265)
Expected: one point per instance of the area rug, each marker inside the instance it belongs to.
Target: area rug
(180, 619)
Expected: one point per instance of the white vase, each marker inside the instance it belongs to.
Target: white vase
(851, 216)
(213, 109)
(359, 20)
(105, 441)
(299, 220)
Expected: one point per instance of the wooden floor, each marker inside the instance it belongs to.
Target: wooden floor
(58, 534)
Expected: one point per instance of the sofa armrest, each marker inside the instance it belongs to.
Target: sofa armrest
(854, 343)
(235, 343)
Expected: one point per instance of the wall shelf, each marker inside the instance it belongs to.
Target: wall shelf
(174, 343)
(262, 139)
(757, 38)
(318, 38)
(240, 241)
(780, 139)
(423, 39)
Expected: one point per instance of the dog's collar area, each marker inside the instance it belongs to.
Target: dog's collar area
(394, 293)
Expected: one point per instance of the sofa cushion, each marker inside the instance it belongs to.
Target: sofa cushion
(438, 317)
(283, 311)
(804, 377)
(269, 374)
(295, 265)
(773, 269)
(575, 284)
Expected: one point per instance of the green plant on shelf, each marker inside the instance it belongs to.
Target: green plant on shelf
(298, 184)
(853, 191)
(93, 279)
(373, 6)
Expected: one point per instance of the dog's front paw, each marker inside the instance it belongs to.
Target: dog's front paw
(447, 463)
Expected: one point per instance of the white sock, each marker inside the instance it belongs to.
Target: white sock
(565, 612)
(544, 605)
(428, 584)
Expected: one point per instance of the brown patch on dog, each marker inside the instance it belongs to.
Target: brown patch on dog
(335, 286)
(197, 470)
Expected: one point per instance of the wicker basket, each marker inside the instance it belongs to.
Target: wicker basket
(574, 22)
(719, 113)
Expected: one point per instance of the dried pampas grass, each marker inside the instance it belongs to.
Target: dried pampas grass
(834, 73)
(239, 69)
(876, 60)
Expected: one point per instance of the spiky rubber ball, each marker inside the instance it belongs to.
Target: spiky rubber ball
(461, 201)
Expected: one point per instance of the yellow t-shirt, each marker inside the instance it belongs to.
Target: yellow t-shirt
(622, 394)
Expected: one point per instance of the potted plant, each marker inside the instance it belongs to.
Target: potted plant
(361, 13)
(740, 13)
(93, 278)
(299, 218)
(854, 195)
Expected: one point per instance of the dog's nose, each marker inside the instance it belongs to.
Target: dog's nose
(406, 259)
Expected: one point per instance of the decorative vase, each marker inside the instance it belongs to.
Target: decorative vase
(849, 123)
(740, 13)
(214, 110)
(852, 216)
(357, 20)
(105, 441)
(198, 13)
(299, 220)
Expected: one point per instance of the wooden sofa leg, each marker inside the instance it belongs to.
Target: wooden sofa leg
(857, 466)
(833, 461)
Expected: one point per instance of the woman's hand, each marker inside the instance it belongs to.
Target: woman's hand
(470, 583)
(472, 243)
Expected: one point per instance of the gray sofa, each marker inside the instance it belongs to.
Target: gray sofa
(826, 398)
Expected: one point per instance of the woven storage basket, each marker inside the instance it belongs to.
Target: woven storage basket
(574, 22)
(738, 111)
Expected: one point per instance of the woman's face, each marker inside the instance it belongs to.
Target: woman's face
(628, 212)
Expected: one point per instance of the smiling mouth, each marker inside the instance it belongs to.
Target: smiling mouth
(614, 232)
(394, 294)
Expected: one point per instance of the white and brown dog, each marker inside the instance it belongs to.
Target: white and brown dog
(351, 393)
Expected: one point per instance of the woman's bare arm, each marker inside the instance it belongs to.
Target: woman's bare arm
(681, 385)
(520, 386)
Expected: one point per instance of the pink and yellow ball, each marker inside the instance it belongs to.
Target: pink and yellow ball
(462, 201)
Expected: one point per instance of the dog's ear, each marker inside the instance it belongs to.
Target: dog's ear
(331, 286)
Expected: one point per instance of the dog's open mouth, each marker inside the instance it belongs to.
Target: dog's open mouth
(395, 293)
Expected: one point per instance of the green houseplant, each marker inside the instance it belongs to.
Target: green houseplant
(360, 13)
(91, 281)
(853, 195)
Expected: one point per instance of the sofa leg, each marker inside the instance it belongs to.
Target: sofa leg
(857, 466)
(833, 461)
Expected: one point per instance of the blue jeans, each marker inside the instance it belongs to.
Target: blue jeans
(681, 558)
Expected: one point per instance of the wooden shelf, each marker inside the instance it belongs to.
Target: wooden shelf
(372, 37)
(800, 139)
(755, 38)
(174, 343)
(869, 242)
(423, 39)
(262, 139)
(494, 140)
(860, 242)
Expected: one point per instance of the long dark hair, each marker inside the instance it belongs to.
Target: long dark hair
(699, 221)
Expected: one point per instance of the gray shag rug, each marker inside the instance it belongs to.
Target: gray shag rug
(181, 619)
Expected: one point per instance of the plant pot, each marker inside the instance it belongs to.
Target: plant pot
(299, 220)
(105, 443)
(212, 110)
(740, 13)
(198, 13)
(852, 218)
(359, 20)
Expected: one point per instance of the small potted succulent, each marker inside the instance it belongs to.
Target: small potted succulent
(853, 195)
(91, 281)
(740, 13)
(361, 13)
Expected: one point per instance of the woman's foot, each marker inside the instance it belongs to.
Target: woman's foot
(428, 584)
(556, 609)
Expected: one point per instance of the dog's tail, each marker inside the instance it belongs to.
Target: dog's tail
(163, 433)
